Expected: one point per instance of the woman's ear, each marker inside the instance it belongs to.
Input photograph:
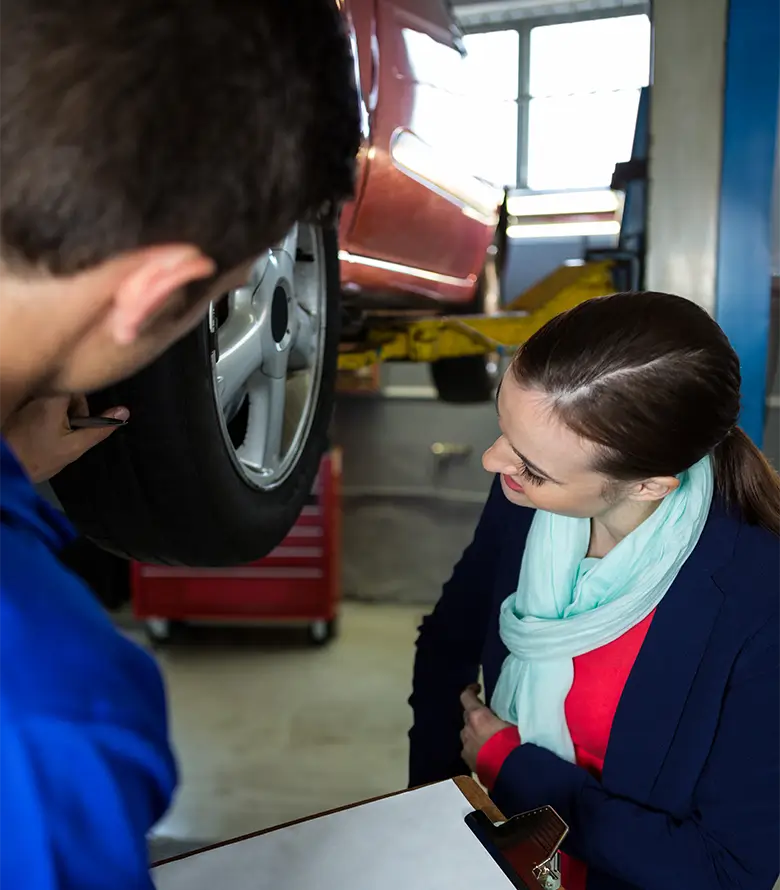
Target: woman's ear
(154, 277)
(654, 489)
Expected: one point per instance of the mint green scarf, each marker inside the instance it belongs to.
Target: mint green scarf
(566, 605)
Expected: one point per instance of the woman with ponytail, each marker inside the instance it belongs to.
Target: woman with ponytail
(621, 597)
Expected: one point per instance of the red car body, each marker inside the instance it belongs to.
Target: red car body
(419, 227)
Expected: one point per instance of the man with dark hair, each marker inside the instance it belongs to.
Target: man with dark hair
(150, 151)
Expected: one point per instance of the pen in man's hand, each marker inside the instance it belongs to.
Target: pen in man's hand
(83, 423)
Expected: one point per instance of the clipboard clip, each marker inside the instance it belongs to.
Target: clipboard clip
(548, 874)
(525, 847)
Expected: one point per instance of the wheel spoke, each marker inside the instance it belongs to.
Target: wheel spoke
(240, 347)
(304, 349)
(261, 450)
(258, 270)
(289, 244)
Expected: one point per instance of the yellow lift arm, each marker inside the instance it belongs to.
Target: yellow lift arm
(430, 339)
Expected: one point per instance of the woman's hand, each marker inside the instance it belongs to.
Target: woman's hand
(480, 724)
(41, 438)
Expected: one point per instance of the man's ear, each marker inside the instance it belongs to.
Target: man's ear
(150, 278)
(654, 489)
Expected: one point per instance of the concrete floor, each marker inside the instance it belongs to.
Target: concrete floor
(268, 729)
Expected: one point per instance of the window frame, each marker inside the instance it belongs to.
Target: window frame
(524, 26)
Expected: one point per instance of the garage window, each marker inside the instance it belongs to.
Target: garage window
(491, 73)
(583, 90)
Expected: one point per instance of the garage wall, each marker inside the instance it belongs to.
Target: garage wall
(407, 517)
(685, 167)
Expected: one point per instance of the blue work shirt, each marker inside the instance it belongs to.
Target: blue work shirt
(85, 764)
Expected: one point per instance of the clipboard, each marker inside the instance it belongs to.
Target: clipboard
(447, 835)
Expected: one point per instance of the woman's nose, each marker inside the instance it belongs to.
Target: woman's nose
(493, 460)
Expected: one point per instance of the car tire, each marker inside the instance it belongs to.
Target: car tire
(473, 379)
(187, 481)
(466, 381)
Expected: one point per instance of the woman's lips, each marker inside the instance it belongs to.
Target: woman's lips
(515, 486)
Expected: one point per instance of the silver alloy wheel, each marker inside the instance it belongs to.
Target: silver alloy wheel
(270, 343)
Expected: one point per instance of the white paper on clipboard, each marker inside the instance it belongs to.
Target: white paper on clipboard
(413, 841)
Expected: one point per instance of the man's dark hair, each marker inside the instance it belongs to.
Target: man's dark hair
(128, 123)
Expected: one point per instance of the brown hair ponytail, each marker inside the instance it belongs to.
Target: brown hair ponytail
(654, 381)
(747, 481)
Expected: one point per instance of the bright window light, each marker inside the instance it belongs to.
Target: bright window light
(489, 142)
(585, 79)
(560, 203)
(480, 90)
(563, 230)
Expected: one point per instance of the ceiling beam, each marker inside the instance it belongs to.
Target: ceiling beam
(473, 13)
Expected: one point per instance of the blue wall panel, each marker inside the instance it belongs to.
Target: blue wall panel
(744, 237)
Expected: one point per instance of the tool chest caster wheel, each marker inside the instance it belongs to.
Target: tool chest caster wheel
(322, 632)
(161, 631)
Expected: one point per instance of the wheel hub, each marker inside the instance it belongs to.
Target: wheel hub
(280, 315)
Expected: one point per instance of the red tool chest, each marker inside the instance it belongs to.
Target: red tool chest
(299, 582)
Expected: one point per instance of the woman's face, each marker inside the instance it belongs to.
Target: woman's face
(542, 463)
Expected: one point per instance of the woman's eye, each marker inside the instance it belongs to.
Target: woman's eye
(530, 477)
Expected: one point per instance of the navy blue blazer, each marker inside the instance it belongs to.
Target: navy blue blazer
(690, 793)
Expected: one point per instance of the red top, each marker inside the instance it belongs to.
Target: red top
(599, 679)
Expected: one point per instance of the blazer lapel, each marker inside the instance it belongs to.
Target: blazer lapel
(659, 683)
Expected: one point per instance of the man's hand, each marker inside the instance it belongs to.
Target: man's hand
(40, 435)
(480, 724)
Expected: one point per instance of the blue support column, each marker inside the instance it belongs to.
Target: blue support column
(750, 113)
